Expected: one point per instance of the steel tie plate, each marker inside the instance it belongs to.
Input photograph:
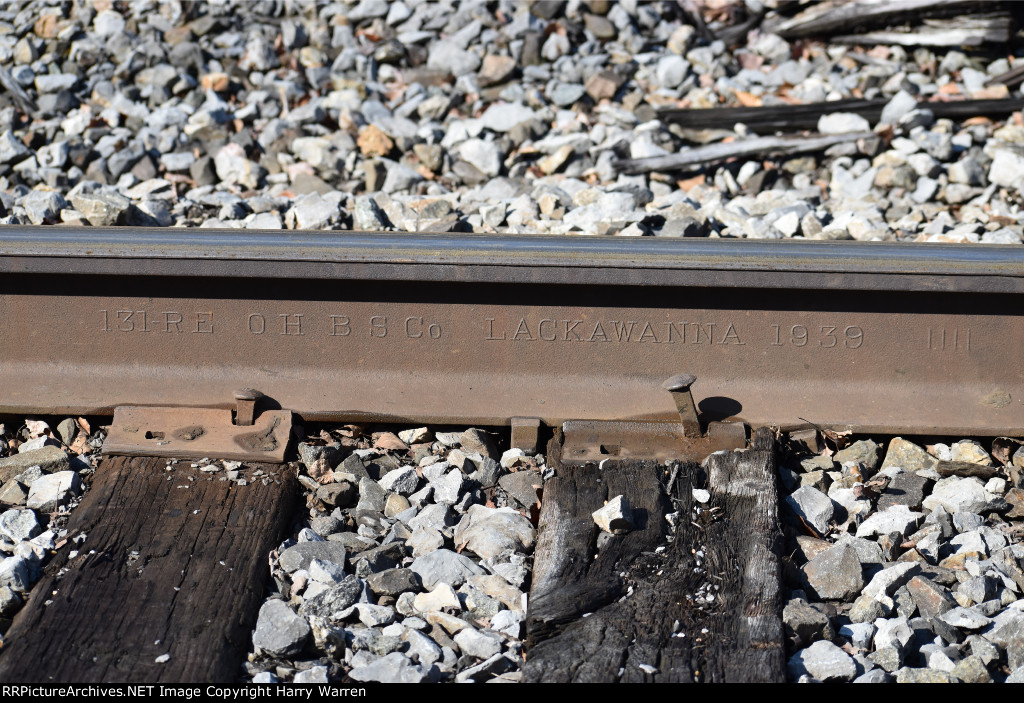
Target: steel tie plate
(198, 432)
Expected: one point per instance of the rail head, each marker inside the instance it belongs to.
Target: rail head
(567, 260)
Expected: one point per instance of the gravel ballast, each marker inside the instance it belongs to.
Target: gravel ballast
(892, 594)
(504, 117)
(44, 473)
(413, 561)
(434, 591)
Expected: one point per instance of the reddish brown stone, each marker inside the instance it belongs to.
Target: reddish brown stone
(603, 85)
(1015, 497)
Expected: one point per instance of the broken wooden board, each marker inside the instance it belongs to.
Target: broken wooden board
(1011, 79)
(173, 564)
(968, 30)
(571, 575)
(607, 609)
(775, 118)
(747, 644)
(830, 18)
(744, 148)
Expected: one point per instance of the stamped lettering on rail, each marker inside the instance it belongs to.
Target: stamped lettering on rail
(168, 321)
(280, 324)
(957, 339)
(697, 332)
(612, 330)
(386, 325)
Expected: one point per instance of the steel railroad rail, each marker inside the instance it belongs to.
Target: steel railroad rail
(453, 329)
(629, 349)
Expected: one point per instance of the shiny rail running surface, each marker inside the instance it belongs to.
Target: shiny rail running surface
(468, 328)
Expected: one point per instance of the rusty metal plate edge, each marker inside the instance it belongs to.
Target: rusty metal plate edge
(589, 440)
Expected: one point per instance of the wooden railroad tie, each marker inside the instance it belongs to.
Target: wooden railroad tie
(166, 585)
(605, 610)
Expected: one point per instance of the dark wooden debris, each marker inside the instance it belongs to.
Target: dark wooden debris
(944, 23)
(737, 33)
(965, 468)
(774, 118)
(828, 19)
(1008, 452)
(744, 148)
(1011, 79)
(749, 642)
(18, 94)
(567, 578)
(692, 12)
(967, 30)
(743, 19)
(607, 609)
(172, 567)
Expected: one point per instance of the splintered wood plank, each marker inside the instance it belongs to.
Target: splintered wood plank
(626, 613)
(571, 576)
(746, 643)
(744, 148)
(769, 119)
(174, 563)
(578, 628)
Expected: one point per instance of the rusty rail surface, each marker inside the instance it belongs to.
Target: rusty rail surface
(473, 329)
